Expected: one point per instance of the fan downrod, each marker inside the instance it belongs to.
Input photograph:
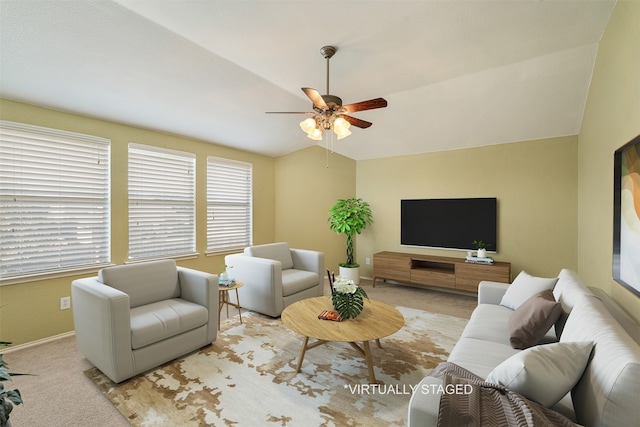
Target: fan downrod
(328, 52)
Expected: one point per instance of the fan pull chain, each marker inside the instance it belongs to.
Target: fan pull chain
(328, 134)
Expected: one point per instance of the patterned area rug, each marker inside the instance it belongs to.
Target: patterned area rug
(247, 378)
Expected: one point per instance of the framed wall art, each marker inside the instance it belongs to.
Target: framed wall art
(626, 216)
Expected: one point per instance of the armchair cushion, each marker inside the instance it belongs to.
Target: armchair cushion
(164, 319)
(275, 251)
(135, 281)
(294, 281)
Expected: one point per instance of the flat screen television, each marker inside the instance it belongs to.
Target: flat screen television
(449, 223)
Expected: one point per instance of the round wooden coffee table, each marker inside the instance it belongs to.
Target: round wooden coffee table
(376, 321)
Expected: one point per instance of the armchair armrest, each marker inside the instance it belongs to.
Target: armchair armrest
(308, 261)
(491, 292)
(102, 323)
(201, 288)
(262, 278)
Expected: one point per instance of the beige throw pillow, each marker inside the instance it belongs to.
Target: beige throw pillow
(532, 319)
(544, 373)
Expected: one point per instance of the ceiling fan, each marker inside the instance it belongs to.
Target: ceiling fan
(328, 111)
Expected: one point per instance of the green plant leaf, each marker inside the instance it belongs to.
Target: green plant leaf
(349, 305)
(14, 396)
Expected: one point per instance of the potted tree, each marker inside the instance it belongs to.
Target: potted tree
(350, 217)
(8, 398)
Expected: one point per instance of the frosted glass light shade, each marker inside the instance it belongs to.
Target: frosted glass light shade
(315, 134)
(343, 134)
(308, 125)
(341, 127)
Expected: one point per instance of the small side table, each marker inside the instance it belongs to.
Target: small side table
(223, 298)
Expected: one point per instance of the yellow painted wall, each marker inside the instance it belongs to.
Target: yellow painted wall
(31, 310)
(611, 118)
(535, 183)
(306, 190)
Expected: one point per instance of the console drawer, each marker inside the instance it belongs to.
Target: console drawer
(435, 277)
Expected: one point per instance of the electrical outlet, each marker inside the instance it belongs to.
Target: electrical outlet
(367, 261)
(65, 303)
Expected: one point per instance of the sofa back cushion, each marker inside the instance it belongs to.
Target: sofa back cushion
(275, 251)
(568, 290)
(145, 283)
(607, 394)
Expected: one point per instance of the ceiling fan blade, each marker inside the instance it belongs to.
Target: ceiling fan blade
(316, 98)
(288, 112)
(365, 105)
(357, 122)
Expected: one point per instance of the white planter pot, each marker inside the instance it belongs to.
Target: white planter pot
(224, 275)
(352, 273)
(482, 253)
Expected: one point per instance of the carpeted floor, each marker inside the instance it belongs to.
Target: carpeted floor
(247, 378)
(61, 395)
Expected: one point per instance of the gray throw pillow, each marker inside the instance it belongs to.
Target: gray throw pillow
(532, 319)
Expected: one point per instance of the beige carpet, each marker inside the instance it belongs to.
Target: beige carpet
(247, 378)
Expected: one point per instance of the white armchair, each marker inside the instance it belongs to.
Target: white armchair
(131, 318)
(276, 276)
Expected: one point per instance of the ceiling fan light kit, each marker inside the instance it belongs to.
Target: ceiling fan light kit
(329, 114)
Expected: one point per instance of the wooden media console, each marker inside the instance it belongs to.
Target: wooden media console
(442, 272)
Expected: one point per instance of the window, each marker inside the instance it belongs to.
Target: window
(54, 201)
(228, 204)
(161, 203)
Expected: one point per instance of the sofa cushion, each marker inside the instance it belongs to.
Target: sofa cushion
(607, 394)
(529, 323)
(275, 251)
(294, 281)
(489, 322)
(480, 356)
(160, 320)
(544, 373)
(524, 287)
(567, 292)
(145, 283)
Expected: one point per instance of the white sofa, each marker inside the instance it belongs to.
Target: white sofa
(608, 391)
(131, 318)
(275, 276)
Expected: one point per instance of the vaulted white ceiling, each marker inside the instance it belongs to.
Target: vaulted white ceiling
(456, 74)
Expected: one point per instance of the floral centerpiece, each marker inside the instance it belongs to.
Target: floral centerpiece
(347, 297)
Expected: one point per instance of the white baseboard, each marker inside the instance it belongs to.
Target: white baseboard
(37, 342)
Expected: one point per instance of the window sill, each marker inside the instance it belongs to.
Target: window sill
(37, 277)
(182, 257)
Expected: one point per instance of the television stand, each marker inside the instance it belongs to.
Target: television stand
(442, 272)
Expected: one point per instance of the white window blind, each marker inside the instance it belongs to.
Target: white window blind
(161, 202)
(229, 216)
(54, 200)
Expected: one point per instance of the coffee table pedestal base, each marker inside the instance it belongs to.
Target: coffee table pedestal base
(365, 350)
